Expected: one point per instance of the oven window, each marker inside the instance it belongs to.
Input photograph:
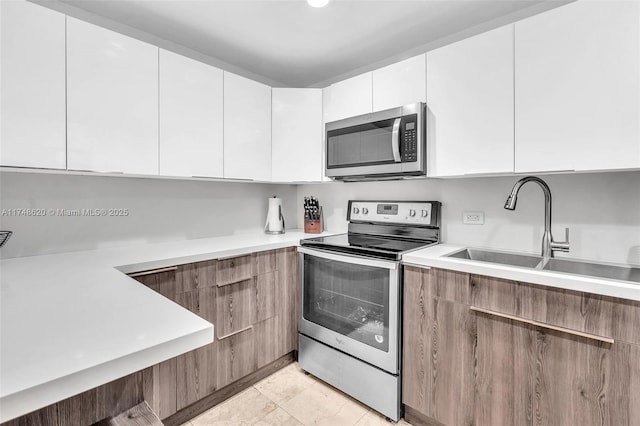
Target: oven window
(352, 300)
(360, 145)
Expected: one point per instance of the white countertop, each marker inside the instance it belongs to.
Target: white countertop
(73, 321)
(435, 257)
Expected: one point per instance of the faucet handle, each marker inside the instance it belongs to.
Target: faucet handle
(562, 246)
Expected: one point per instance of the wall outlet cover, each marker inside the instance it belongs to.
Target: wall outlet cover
(473, 218)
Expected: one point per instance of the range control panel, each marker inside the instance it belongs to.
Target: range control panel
(424, 213)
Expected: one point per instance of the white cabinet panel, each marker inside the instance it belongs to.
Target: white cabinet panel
(297, 135)
(247, 128)
(32, 75)
(399, 84)
(191, 118)
(347, 98)
(112, 101)
(578, 88)
(470, 101)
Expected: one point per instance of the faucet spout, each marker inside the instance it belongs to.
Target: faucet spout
(548, 245)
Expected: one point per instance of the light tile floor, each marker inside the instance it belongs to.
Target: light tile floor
(291, 398)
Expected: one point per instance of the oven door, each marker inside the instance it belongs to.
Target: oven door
(352, 303)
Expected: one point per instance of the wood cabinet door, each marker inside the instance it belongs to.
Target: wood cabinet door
(297, 134)
(112, 101)
(32, 86)
(236, 357)
(452, 362)
(399, 84)
(504, 377)
(416, 346)
(579, 381)
(247, 128)
(191, 118)
(470, 105)
(577, 88)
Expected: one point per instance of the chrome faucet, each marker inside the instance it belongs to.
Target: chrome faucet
(548, 245)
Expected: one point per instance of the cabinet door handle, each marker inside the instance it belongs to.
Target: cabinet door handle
(234, 333)
(153, 271)
(544, 325)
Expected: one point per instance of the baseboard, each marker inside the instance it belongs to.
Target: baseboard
(209, 401)
(416, 418)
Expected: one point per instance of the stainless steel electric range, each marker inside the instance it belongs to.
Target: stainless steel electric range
(351, 299)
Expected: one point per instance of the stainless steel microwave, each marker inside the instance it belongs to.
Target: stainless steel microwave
(387, 144)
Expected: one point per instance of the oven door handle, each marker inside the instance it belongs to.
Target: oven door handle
(356, 260)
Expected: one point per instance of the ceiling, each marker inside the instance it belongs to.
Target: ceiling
(292, 44)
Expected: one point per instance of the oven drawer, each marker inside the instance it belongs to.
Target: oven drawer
(352, 304)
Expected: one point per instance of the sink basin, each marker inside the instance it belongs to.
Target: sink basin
(513, 259)
(614, 272)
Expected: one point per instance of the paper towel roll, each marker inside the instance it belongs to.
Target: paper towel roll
(274, 215)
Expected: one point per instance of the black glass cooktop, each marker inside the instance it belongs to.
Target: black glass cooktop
(368, 245)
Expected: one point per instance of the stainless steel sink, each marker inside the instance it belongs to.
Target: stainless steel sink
(504, 258)
(568, 266)
(614, 272)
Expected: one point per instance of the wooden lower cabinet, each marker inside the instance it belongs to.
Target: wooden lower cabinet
(495, 364)
(252, 302)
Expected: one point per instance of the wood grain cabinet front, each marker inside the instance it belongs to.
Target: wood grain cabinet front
(486, 351)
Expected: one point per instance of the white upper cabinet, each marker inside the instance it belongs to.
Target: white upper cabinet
(191, 118)
(347, 98)
(470, 101)
(578, 88)
(112, 101)
(297, 135)
(399, 84)
(32, 88)
(247, 129)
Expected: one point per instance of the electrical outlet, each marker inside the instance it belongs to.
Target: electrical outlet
(473, 218)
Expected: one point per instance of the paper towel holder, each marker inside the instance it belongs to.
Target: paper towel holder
(276, 224)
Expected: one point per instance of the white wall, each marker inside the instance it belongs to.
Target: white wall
(160, 210)
(602, 211)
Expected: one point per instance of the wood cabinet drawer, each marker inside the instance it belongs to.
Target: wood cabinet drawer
(584, 312)
(235, 307)
(234, 269)
(196, 275)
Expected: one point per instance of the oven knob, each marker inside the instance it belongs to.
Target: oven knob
(365, 210)
(412, 212)
(425, 213)
(356, 210)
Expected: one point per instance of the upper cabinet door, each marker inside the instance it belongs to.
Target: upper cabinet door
(112, 101)
(32, 92)
(470, 105)
(297, 135)
(578, 88)
(399, 84)
(247, 129)
(347, 98)
(191, 119)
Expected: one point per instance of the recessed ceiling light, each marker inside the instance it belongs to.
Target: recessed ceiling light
(318, 3)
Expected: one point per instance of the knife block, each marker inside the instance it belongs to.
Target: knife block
(314, 226)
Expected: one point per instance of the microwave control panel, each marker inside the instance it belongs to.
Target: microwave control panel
(409, 131)
(404, 212)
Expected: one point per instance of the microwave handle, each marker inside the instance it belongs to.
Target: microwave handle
(395, 141)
